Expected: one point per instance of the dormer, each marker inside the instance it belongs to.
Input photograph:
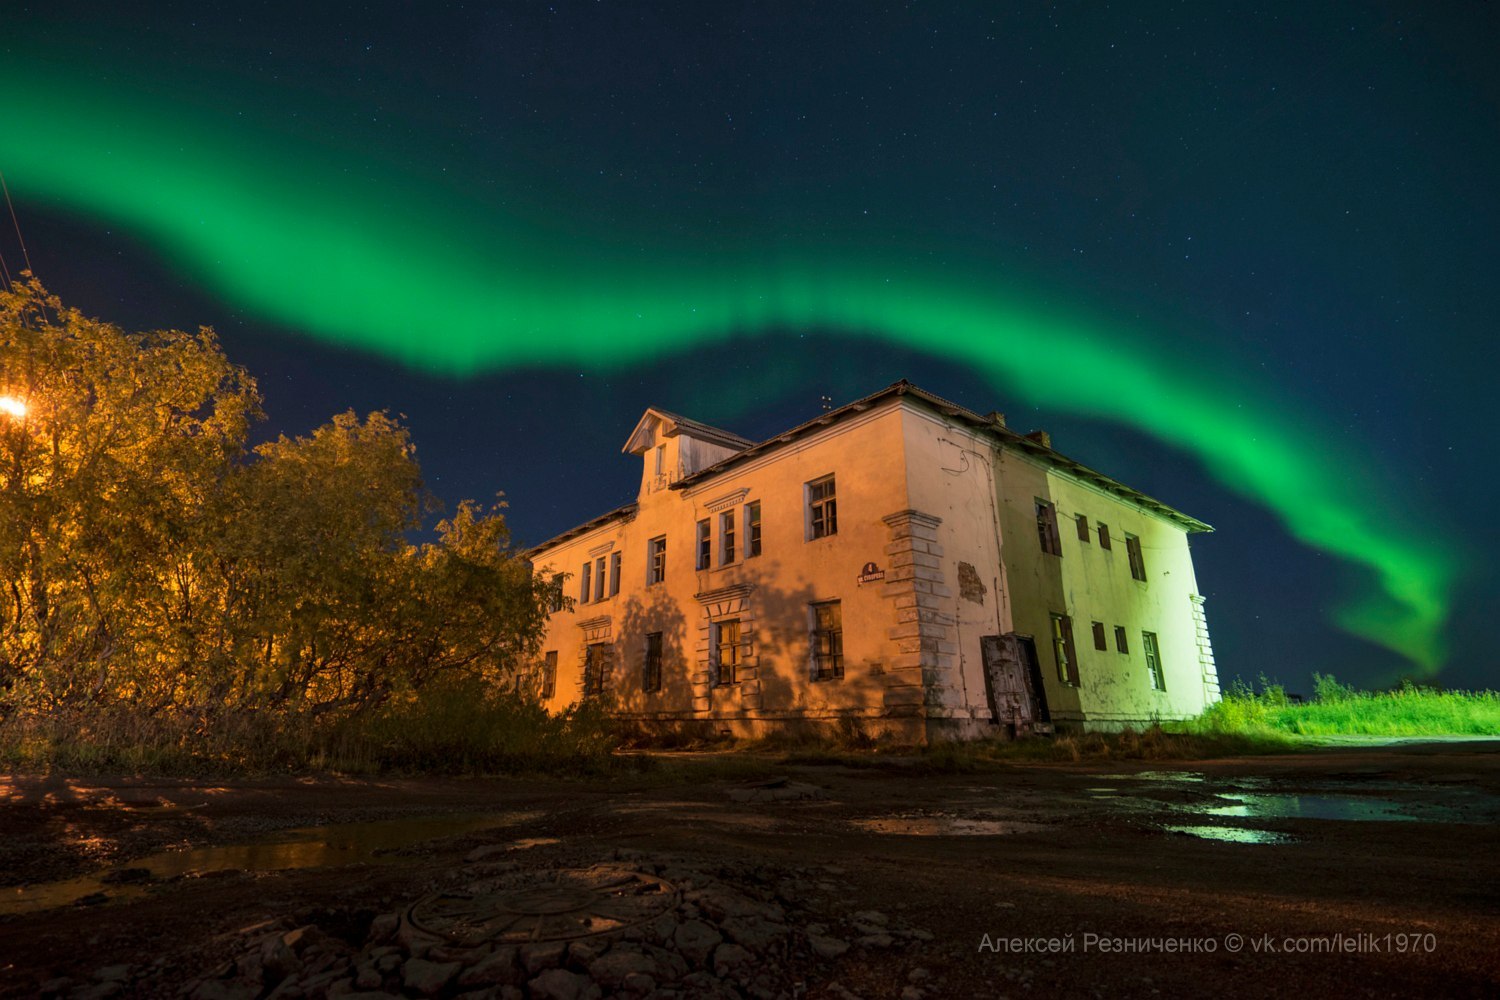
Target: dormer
(673, 446)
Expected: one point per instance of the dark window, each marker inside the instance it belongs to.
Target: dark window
(726, 537)
(705, 543)
(1153, 661)
(1100, 642)
(1122, 645)
(1104, 536)
(828, 641)
(554, 595)
(614, 574)
(651, 681)
(1062, 649)
(549, 674)
(822, 508)
(585, 583)
(727, 651)
(599, 579)
(1137, 562)
(752, 529)
(656, 565)
(1046, 528)
(593, 669)
(1083, 529)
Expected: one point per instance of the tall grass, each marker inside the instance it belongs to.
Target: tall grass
(1339, 710)
(454, 729)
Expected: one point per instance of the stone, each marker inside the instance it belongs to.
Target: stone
(302, 938)
(917, 975)
(112, 973)
(696, 941)
(501, 968)
(613, 969)
(560, 984)
(731, 959)
(585, 950)
(98, 991)
(278, 961)
(486, 852)
(542, 956)
(871, 917)
(753, 932)
(383, 927)
(367, 976)
(217, 989)
(827, 947)
(875, 941)
(427, 978)
(912, 993)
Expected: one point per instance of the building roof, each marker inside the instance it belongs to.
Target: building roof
(678, 424)
(1035, 445)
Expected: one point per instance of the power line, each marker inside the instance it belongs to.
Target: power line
(17, 223)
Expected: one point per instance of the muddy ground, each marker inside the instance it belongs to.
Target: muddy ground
(1358, 872)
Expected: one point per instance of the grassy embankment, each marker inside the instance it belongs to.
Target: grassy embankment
(458, 730)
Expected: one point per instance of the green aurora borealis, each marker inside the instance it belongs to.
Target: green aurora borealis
(435, 280)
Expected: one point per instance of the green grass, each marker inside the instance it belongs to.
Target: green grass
(1338, 710)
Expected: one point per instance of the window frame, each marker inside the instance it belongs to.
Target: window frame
(1136, 557)
(752, 529)
(615, 565)
(599, 581)
(1083, 527)
(1101, 642)
(1064, 650)
(656, 560)
(822, 510)
(833, 655)
(717, 647)
(651, 663)
(727, 536)
(1122, 640)
(1151, 648)
(705, 543)
(549, 675)
(1046, 527)
(1104, 540)
(585, 578)
(595, 655)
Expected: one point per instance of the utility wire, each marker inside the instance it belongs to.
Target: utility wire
(17, 223)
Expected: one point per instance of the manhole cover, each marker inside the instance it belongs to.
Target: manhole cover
(544, 906)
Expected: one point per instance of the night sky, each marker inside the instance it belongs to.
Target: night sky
(1237, 256)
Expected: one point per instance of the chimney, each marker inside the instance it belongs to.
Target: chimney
(1042, 438)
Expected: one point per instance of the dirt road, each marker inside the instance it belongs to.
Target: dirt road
(1347, 872)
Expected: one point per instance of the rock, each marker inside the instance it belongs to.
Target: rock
(98, 991)
(669, 964)
(827, 947)
(486, 852)
(875, 941)
(384, 926)
(542, 956)
(912, 993)
(217, 989)
(731, 960)
(719, 902)
(367, 976)
(560, 984)
(278, 961)
(112, 973)
(753, 932)
(871, 917)
(703, 986)
(585, 950)
(427, 978)
(55, 987)
(303, 938)
(501, 968)
(917, 975)
(696, 941)
(613, 969)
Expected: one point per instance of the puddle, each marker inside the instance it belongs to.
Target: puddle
(303, 847)
(1233, 834)
(1359, 808)
(948, 826)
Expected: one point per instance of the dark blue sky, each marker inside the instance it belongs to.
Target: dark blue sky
(1304, 194)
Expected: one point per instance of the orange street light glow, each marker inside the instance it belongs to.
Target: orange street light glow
(13, 406)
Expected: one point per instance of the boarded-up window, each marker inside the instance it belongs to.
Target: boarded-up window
(1137, 561)
(1122, 645)
(1046, 528)
(1062, 649)
(1104, 537)
(599, 579)
(1100, 640)
(586, 579)
(705, 543)
(828, 641)
(614, 574)
(1083, 528)
(651, 675)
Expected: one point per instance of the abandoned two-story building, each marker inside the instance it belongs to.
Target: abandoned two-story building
(901, 565)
